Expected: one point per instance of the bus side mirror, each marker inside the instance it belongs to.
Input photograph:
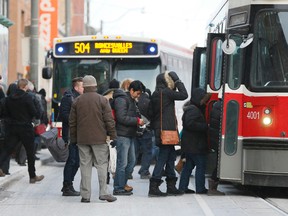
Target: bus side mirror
(47, 72)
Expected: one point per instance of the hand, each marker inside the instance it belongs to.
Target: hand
(174, 76)
(113, 143)
(141, 122)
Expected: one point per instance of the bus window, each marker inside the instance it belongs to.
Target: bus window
(235, 65)
(143, 71)
(216, 64)
(66, 70)
(231, 131)
(270, 51)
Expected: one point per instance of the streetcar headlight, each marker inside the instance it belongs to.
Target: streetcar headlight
(267, 121)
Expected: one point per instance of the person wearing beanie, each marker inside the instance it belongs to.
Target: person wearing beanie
(90, 123)
(72, 163)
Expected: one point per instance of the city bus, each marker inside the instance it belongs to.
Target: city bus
(245, 61)
(119, 57)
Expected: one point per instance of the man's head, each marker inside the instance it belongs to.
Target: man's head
(23, 84)
(136, 88)
(77, 84)
(89, 83)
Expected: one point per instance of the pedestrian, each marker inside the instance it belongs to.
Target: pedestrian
(143, 141)
(72, 163)
(127, 121)
(90, 123)
(194, 141)
(20, 126)
(214, 135)
(169, 88)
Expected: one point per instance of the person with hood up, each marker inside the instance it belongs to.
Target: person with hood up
(170, 88)
(194, 141)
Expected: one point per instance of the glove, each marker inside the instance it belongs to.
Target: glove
(174, 76)
(113, 143)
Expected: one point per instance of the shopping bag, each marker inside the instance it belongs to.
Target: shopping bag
(56, 145)
(112, 159)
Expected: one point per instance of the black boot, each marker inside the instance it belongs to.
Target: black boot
(68, 190)
(171, 189)
(154, 188)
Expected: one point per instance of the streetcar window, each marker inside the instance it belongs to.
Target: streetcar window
(235, 65)
(269, 68)
(202, 75)
(66, 70)
(231, 129)
(216, 64)
(145, 72)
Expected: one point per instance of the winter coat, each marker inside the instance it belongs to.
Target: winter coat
(126, 114)
(169, 96)
(194, 133)
(27, 112)
(91, 120)
(214, 128)
(64, 111)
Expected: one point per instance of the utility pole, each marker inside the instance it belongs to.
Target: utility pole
(67, 17)
(34, 42)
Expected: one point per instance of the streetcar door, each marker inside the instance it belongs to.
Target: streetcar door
(231, 153)
(215, 62)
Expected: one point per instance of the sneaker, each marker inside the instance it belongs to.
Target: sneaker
(36, 178)
(84, 200)
(128, 188)
(2, 174)
(108, 198)
(202, 192)
(122, 193)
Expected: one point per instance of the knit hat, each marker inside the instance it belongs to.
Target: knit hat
(114, 84)
(89, 80)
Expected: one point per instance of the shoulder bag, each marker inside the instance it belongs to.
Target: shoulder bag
(168, 137)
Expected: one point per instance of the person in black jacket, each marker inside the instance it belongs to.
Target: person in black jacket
(194, 141)
(127, 120)
(170, 88)
(72, 163)
(20, 126)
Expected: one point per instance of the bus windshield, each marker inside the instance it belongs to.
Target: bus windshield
(144, 72)
(269, 70)
(67, 69)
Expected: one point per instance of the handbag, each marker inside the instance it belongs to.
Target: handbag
(55, 145)
(39, 129)
(168, 137)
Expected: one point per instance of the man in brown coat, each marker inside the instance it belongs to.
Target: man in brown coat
(90, 123)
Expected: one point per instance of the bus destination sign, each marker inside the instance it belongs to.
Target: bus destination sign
(100, 48)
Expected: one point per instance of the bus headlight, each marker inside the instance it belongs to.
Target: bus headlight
(267, 121)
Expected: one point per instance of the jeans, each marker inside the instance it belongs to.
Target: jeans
(192, 160)
(143, 144)
(125, 161)
(167, 156)
(72, 163)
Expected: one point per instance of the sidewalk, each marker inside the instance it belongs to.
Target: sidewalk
(17, 172)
